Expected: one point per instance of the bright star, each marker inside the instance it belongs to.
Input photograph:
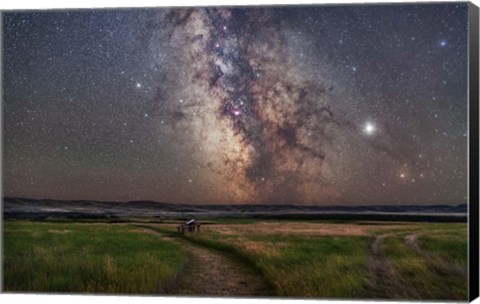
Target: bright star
(369, 128)
(138, 85)
(443, 43)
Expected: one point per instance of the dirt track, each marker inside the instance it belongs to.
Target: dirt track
(213, 273)
(383, 283)
(411, 241)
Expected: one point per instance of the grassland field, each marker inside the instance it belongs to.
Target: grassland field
(320, 259)
(86, 258)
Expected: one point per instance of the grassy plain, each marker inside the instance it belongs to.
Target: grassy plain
(87, 258)
(321, 259)
(345, 260)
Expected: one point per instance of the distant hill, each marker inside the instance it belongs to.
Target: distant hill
(46, 208)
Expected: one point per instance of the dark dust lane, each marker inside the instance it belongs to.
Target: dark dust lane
(211, 272)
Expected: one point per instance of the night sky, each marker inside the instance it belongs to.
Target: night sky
(315, 105)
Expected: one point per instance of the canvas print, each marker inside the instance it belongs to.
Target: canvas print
(302, 151)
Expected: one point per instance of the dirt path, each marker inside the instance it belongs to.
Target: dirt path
(411, 241)
(383, 282)
(213, 273)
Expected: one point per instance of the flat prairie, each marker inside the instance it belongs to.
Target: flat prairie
(382, 260)
(240, 257)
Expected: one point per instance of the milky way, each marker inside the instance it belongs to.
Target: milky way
(260, 121)
(299, 105)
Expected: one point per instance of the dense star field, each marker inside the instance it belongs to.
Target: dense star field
(278, 105)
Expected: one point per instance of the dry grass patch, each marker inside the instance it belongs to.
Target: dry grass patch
(262, 248)
(59, 231)
(297, 228)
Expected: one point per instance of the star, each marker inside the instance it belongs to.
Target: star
(369, 128)
(138, 85)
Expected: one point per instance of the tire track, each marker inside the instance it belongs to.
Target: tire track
(210, 272)
(383, 283)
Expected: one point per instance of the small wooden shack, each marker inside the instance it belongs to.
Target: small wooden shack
(190, 226)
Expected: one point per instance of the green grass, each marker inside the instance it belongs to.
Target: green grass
(337, 266)
(450, 249)
(109, 258)
(86, 258)
(318, 266)
(300, 266)
(449, 244)
(437, 270)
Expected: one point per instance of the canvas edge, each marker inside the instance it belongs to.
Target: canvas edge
(1, 149)
(473, 212)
